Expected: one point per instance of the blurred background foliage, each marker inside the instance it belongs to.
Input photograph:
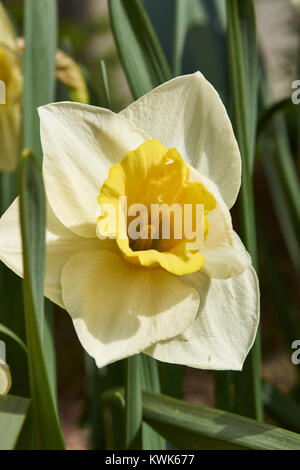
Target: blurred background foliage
(193, 38)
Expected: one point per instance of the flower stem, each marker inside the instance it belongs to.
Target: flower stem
(243, 63)
(133, 397)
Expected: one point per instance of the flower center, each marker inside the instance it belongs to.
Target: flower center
(152, 209)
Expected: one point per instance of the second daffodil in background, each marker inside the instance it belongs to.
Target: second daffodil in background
(129, 294)
(11, 89)
(11, 82)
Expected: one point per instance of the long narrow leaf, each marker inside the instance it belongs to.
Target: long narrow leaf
(141, 54)
(146, 67)
(187, 12)
(8, 332)
(46, 429)
(133, 400)
(189, 426)
(150, 381)
(40, 27)
(243, 60)
(281, 175)
(281, 407)
(196, 427)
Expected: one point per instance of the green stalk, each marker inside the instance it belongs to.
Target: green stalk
(241, 37)
(223, 390)
(145, 66)
(150, 382)
(133, 399)
(105, 85)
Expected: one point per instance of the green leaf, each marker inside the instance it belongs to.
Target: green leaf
(139, 49)
(223, 381)
(281, 175)
(187, 13)
(105, 85)
(196, 427)
(40, 27)
(150, 381)
(13, 412)
(146, 67)
(46, 429)
(133, 401)
(141, 374)
(190, 426)
(283, 303)
(6, 331)
(243, 64)
(267, 114)
(281, 407)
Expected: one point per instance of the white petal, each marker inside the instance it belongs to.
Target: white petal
(119, 309)
(224, 261)
(225, 254)
(187, 113)
(225, 326)
(61, 244)
(80, 143)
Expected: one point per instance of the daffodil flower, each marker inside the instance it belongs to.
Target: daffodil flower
(11, 78)
(125, 295)
(11, 87)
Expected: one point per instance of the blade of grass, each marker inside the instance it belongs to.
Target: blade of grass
(267, 114)
(7, 332)
(150, 381)
(281, 407)
(40, 28)
(286, 311)
(186, 13)
(139, 49)
(146, 67)
(133, 401)
(105, 85)
(190, 426)
(13, 412)
(282, 177)
(243, 66)
(223, 390)
(46, 428)
(93, 413)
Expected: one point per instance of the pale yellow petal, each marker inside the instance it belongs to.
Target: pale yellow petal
(187, 113)
(224, 329)
(225, 256)
(80, 143)
(118, 309)
(61, 244)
